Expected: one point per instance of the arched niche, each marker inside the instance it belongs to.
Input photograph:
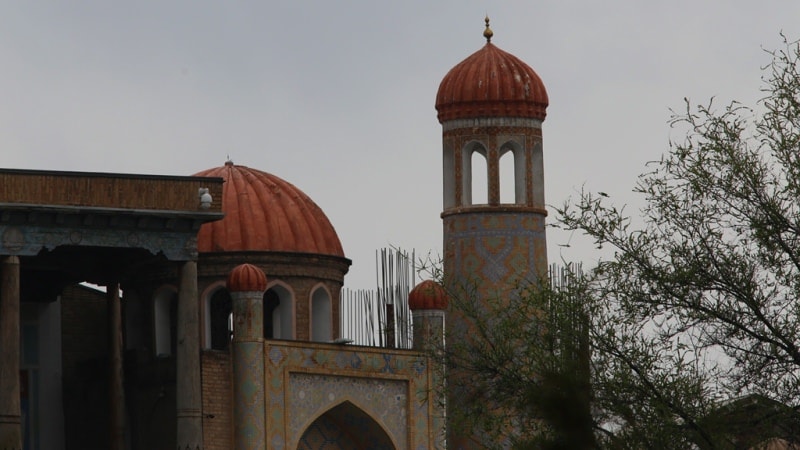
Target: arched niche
(345, 427)
(165, 320)
(218, 318)
(476, 175)
(512, 168)
(278, 312)
(321, 315)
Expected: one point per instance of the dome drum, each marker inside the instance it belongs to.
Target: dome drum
(277, 265)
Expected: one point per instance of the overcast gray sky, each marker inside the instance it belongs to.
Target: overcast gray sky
(337, 97)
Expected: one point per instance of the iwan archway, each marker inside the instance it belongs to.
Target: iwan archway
(345, 427)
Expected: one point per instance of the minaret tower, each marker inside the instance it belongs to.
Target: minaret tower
(492, 104)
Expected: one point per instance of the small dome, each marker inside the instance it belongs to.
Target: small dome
(265, 213)
(246, 278)
(491, 83)
(427, 295)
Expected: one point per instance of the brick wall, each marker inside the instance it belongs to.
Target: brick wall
(217, 394)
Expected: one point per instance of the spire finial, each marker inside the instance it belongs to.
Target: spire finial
(487, 33)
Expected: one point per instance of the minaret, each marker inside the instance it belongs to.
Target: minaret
(247, 284)
(428, 303)
(491, 104)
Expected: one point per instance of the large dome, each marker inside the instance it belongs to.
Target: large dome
(266, 213)
(491, 83)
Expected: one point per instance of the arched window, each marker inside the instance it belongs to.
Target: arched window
(271, 303)
(278, 313)
(321, 316)
(220, 318)
(508, 177)
(480, 179)
(165, 318)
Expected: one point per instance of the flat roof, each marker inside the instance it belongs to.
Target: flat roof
(109, 190)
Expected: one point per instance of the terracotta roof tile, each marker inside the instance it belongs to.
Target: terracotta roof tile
(491, 83)
(266, 213)
(246, 278)
(427, 295)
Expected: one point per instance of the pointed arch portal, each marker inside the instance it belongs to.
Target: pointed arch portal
(345, 427)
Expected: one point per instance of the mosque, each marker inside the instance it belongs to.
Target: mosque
(219, 325)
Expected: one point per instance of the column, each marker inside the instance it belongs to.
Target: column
(247, 284)
(10, 420)
(188, 391)
(115, 380)
(429, 334)
(493, 177)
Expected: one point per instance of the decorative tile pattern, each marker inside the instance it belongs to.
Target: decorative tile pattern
(498, 250)
(248, 365)
(313, 394)
(388, 389)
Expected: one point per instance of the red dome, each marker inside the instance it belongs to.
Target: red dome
(427, 295)
(247, 278)
(491, 83)
(266, 213)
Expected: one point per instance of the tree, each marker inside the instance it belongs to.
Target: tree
(712, 276)
(698, 305)
(554, 368)
(519, 377)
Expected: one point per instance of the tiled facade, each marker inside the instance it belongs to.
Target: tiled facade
(327, 396)
(393, 388)
(490, 105)
(494, 252)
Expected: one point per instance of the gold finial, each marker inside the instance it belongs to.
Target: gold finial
(487, 33)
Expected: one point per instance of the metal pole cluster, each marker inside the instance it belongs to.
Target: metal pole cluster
(381, 318)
